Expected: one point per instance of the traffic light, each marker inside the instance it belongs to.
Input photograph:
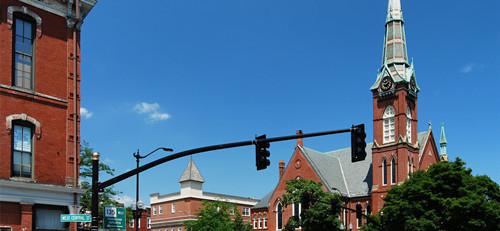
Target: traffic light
(358, 143)
(261, 152)
(359, 211)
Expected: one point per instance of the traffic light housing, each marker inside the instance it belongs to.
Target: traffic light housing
(261, 152)
(358, 143)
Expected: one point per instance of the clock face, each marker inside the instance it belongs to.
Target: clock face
(386, 84)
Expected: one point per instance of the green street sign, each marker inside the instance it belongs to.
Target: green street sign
(114, 218)
(76, 218)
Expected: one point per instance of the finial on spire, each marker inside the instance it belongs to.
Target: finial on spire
(442, 144)
(394, 11)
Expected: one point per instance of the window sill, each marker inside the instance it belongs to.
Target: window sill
(22, 179)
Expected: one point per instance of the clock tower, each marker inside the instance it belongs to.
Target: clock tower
(395, 91)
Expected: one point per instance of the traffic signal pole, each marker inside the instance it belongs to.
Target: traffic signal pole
(99, 187)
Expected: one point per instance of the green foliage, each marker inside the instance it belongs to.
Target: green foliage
(445, 197)
(106, 198)
(216, 216)
(320, 209)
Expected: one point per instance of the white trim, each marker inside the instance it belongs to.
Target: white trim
(23, 192)
(393, 174)
(155, 198)
(389, 125)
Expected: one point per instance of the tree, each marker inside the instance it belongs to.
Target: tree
(320, 209)
(445, 197)
(106, 197)
(216, 216)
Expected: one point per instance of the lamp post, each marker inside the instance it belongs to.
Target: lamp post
(138, 156)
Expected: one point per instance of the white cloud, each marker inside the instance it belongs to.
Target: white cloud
(127, 201)
(470, 67)
(467, 68)
(85, 113)
(153, 111)
(144, 107)
(158, 116)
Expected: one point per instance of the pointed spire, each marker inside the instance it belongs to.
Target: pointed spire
(442, 140)
(191, 173)
(395, 39)
(394, 11)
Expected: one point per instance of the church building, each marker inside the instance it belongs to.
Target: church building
(398, 148)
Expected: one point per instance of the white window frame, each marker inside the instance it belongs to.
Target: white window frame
(394, 170)
(254, 223)
(277, 212)
(264, 222)
(172, 208)
(245, 212)
(389, 127)
(131, 223)
(384, 171)
(259, 223)
(160, 209)
(154, 210)
(408, 124)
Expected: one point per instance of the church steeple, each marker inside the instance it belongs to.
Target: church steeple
(442, 144)
(395, 63)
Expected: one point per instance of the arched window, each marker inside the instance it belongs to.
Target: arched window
(393, 171)
(23, 39)
(389, 128)
(384, 171)
(22, 149)
(279, 216)
(408, 124)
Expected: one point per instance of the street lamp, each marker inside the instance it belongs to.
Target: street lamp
(138, 156)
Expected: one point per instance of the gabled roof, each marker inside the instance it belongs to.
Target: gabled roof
(191, 173)
(264, 202)
(338, 173)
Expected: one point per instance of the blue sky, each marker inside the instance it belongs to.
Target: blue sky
(191, 73)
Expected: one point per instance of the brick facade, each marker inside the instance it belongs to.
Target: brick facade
(49, 107)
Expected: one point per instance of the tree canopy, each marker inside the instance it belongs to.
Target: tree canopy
(218, 216)
(320, 209)
(445, 197)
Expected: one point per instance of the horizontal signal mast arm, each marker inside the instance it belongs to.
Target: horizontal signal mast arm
(162, 160)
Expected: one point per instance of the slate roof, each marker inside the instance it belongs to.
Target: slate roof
(191, 173)
(264, 202)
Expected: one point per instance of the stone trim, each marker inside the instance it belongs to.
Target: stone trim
(24, 117)
(23, 9)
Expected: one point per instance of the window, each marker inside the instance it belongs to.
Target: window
(279, 216)
(49, 218)
(173, 208)
(264, 222)
(5, 229)
(139, 223)
(389, 128)
(154, 210)
(231, 211)
(246, 212)
(149, 222)
(131, 223)
(160, 209)
(408, 124)
(259, 223)
(297, 207)
(22, 150)
(23, 52)
(384, 171)
(393, 171)
(254, 223)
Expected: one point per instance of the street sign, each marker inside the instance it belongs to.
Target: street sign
(114, 218)
(76, 218)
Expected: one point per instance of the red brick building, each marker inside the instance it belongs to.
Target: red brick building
(39, 112)
(398, 149)
(144, 221)
(170, 211)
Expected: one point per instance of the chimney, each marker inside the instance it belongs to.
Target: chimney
(299, 140)
(282, 167)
